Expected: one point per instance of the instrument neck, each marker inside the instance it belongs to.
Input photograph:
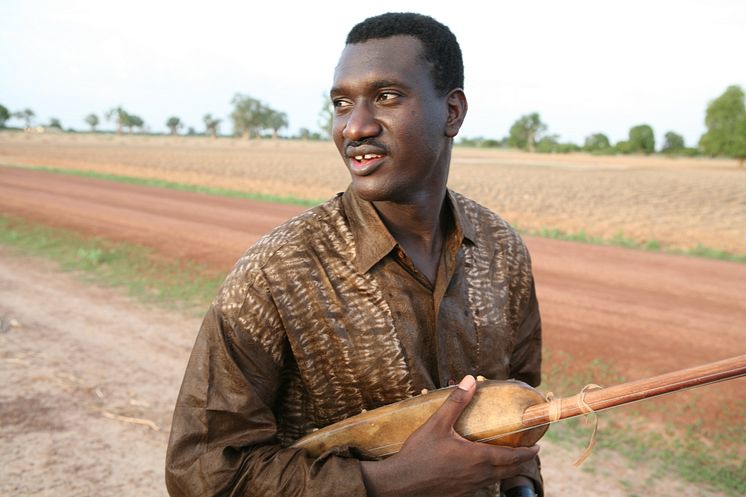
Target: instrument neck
(626, 393)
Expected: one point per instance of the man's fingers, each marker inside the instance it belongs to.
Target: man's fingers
(447, 415)
(509, 456)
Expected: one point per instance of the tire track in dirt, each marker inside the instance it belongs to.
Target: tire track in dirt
(204, 228)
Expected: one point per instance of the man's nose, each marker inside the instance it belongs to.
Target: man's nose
(361, 123)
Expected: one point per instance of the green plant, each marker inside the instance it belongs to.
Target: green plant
(526, 131)
(174, 124)
(726, 125)
(92, 121)
(673, 144)
(211, 125)
(143, 273)
(619, 239)
(641, 139)
(4, 115)
(597, 143)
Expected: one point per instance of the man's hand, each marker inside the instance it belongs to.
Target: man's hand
(435, 460)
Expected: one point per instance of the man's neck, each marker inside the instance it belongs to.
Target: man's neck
(419, 227)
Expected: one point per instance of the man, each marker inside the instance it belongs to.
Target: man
(396, 285)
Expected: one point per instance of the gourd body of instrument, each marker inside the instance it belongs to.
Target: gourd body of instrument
(503, 412)
(382, 432)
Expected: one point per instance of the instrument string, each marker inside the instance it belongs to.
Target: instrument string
(584, 407)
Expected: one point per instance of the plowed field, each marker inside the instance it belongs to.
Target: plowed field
(677, 202)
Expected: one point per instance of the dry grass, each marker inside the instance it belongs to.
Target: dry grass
(679, 203)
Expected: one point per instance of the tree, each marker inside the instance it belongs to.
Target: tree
(119, 116)
(92, 121)
(326, 116)
(597, 143)
(27, 115)
(526, 131)
(482, 142)
(136, 122)
(174, 124)
(623, 147)
(275, 121)
(248, 115)
(726, 125)
(307, 134)
(673, 143)
(55, 123)
(211, 125)
(4, 115)
(548, 144)
(641, 139)
(132, 121)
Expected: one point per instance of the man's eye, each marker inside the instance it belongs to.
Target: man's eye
(340, 103)
(387, 95)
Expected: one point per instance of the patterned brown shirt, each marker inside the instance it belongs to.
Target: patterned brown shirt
(326, 316)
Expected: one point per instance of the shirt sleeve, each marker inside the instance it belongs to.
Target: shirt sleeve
(525, 365)
(224, 433)
(525, 361)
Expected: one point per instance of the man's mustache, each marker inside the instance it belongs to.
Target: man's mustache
(370, 142)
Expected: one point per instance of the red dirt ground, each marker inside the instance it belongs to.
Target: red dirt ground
(641, 313)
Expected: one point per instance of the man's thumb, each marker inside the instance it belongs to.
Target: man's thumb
(447, 415)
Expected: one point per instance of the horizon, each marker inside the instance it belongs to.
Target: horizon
(585, 68)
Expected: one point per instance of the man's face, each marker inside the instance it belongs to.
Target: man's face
(389, 120)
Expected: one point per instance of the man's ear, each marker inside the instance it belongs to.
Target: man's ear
(457, 107)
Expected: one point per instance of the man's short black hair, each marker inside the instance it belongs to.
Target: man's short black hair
(440, 44)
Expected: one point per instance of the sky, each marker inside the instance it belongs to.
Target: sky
(584, 66)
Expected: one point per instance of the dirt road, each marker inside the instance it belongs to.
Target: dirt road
(78, 378)
(68, 417)
(641, 312)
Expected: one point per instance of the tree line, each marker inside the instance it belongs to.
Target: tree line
(725, 119)
(250, 117)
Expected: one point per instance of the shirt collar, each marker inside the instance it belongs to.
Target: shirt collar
(463, 224)
(373, 241)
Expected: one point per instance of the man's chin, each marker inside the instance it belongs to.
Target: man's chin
(369, 190)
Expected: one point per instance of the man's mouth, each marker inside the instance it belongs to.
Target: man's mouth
(365, 164)
(363, 159)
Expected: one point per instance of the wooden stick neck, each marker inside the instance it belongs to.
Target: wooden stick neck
(625, 393)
